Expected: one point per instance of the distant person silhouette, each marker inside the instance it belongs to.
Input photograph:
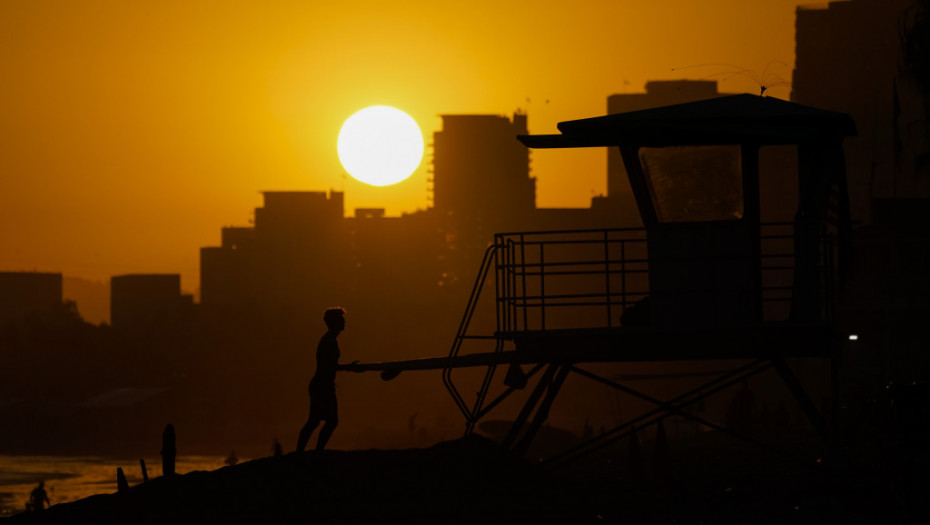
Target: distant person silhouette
(38, 498)
(169, 451)
(322, 387)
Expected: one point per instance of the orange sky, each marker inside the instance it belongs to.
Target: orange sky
(133, 131)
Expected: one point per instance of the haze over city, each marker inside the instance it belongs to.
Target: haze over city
(134, 132)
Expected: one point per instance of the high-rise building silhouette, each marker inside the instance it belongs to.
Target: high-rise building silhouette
(848, 59)
(479, 168)
(272, 268)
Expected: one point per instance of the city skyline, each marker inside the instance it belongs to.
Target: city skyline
(112, 148)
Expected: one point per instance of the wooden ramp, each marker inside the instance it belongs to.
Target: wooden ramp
(615, 345)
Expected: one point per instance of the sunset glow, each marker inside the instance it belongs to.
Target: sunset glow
(135, 118)
(380, 145)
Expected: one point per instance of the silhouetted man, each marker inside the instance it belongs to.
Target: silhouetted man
(323, 385)
(39, 498)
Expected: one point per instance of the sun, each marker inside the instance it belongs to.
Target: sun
(380, 145)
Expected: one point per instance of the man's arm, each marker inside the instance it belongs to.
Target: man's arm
(351, 367)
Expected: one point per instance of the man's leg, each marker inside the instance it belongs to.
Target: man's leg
(326, 432)
(307, 431)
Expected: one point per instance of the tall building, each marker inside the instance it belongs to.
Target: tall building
(848, 60)
(480, 170)
(297, 215)
(287, 260)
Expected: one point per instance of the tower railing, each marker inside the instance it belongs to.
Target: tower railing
(488, 262)
(589, 279)
(600, 272)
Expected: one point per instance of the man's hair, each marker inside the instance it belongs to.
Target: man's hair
(332, 315)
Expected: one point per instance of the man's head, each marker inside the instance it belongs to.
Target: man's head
(335, 318)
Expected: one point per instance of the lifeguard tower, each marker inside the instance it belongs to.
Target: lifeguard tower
(704, 280)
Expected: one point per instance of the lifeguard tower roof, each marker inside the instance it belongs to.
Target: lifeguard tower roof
(736, 119)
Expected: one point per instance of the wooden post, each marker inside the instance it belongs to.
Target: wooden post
(121, 484)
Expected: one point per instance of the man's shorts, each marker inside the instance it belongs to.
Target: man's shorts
(323, 402)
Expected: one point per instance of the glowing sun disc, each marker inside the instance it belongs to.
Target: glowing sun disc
(380, 145)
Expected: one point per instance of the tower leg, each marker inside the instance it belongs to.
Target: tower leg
(835, 424)
(530, 404)
(543, 413)
(809, 409)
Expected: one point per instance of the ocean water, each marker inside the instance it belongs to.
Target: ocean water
(73, 478)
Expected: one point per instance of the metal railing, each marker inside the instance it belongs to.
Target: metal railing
(602, 273)
(472, 413)
(538, 272)
(589, 278)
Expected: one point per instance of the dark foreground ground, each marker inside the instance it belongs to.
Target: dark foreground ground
(472, 480)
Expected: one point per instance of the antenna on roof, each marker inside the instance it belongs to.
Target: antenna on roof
(764, 81)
